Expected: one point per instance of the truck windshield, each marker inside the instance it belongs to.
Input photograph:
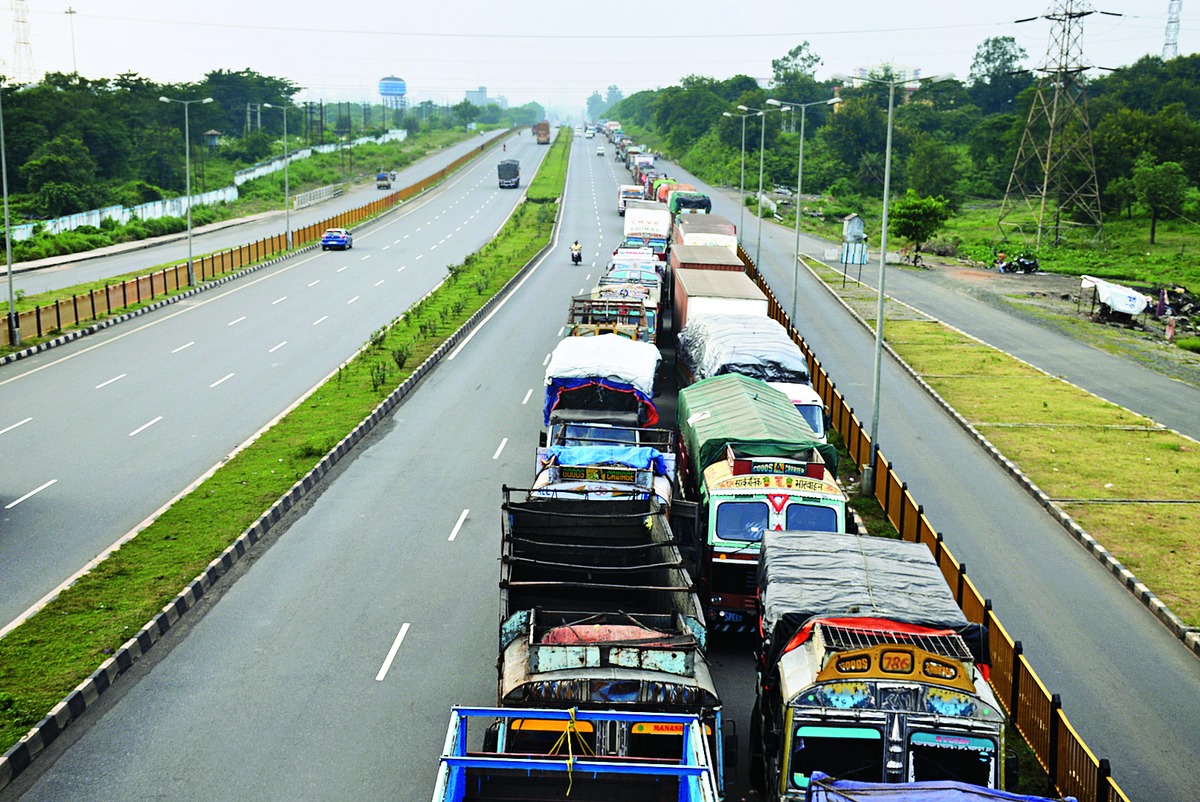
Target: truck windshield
(934, 756)
(742, 520)
(814, 416)
(848, 753)
(811, 518)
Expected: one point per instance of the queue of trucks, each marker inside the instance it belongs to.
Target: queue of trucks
(636, 543)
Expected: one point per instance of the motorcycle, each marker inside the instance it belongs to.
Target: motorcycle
(1022, 264)
(576, 256)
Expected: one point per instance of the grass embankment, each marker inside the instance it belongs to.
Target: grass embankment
(42, 660)
(259, 195)
(1114, 471)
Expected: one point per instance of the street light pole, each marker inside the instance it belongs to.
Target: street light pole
(762, 146)
(742, 204)
(800, 186)
(287, 206)
(187, 162)
(868, 477)
(14, 321)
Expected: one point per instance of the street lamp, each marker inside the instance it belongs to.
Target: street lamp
(868, 479)
(800, 185)
(287, 206)
(742, 213)
(14, 322)
(187, 162)
(762, 147)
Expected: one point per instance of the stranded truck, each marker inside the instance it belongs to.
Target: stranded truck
(868, 670)
(383, 181)
(542, 132)
(598, 613)
(509, 171)
(750, 464)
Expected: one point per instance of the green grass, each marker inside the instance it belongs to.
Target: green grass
(52, 652)
(553, 171)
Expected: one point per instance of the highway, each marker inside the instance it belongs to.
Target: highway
(107, 429)
(218, 237)
(329, 667)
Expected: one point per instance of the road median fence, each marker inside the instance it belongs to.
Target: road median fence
(1037, 714)
(120, 297)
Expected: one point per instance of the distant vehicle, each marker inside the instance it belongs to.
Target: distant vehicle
(542, 132)
(337, 238)
(509, 172)
(590, 135)
(383, 181)
(600, 150)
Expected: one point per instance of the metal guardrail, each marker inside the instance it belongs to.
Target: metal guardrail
(1073, 769)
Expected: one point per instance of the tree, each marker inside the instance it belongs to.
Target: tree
(465, 112)
(62, 160)
(612, 97)
(932, 167)
(1119, 194)
(916, 218)
(800, 60)
(996, 74)
(595, 106)
(1160, 187)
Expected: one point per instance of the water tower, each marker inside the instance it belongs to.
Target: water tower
(394, 91)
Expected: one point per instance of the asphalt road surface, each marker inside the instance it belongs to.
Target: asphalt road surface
(285, 689)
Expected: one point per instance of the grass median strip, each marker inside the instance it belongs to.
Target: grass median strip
(1114, 465)
(44, 658)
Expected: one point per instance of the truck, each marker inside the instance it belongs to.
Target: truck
(868, 670)
(383, 181)
(823, 788)
(523, 758)
(542, 132)
(671, 186)
(754, 346)
(628, 192)
(688, 201)
(604, 310)
(603, 379)
(647, 224)
(597, 612)
(597, 460)
(509, 173)
(714, 292)
(748, 464)
(704, 230)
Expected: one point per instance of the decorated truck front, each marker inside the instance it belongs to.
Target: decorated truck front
(752, 464)
(867, 669)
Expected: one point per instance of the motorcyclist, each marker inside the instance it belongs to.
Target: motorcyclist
(576, 252)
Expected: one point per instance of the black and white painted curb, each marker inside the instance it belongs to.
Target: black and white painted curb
(1189, 635)
(18, 758)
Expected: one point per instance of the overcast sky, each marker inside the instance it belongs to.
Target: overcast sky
(555, 53)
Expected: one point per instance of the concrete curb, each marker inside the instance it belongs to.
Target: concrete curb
(1189, 635)
(19, 757)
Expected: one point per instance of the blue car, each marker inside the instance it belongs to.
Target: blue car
(336, 238)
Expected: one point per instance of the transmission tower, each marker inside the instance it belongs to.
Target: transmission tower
(1053, 188)
(22, 50)
(1171, 42)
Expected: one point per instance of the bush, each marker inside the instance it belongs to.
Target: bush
(1189, 344)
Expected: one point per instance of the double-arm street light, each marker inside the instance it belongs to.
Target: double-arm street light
(800, 186)
(868, 479)
(287, 211)
(14, 321)
(742, 213)
(187, 161)
(762, 148)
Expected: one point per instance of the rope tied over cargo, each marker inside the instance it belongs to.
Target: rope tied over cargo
(565, 739)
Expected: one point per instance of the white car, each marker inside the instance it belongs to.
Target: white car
(600, 151)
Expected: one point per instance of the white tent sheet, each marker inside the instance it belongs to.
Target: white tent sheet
(1116, 297)
(610, 356)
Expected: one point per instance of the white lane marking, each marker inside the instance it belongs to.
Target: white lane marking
(500, 448)
(340, 269)
(434, 247)
(320, 320)
(377, 283)
(391, 655)
(185, 345)
(420, 256)
(581, 289)
(235, 322)
(405, 237)
(401, 268)
(385, 247)
(110, 381)
(8, 429)
(352, 300)
(528, 393)
(365, 258)
(276, 348)
(29, 495)
(418, 228)
(396, 241)
(145, 426)
(458, 229)
(546, 361)
(277, 300)
(458, 526)
(561, 330)
(314, 283)
(221, 380)
(588, 276)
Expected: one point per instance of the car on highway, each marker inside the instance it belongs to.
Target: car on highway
(600, 151)
(337, 238)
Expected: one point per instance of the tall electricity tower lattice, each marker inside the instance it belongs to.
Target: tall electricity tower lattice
(1053, 195)
(1171, 40)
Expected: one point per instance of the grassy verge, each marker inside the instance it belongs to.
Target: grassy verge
(56, 649)
(1112, 468)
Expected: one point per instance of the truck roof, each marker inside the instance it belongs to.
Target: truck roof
(716, 255)
(717, 283)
